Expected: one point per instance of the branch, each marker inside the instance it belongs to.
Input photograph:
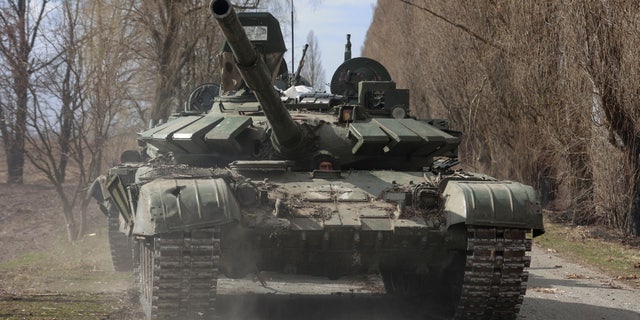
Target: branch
(37, 26)
(457, 25)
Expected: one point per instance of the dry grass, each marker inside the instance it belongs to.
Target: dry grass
(43, 275)
(605, 249)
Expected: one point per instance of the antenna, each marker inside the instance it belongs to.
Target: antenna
(293, 59)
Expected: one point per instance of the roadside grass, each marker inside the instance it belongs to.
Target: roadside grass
(76, 306)
(584, 246)
(68, 281)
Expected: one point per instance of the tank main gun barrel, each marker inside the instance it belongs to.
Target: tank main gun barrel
(256, 74)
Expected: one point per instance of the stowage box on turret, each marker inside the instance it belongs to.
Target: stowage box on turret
(258, 176)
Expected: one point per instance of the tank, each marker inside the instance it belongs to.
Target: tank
(257, 176)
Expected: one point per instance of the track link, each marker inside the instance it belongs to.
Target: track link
(495, 278)
(179, 274)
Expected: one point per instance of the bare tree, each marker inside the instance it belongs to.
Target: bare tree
(81, 99)
(182, 49)
(544, 92)
(20, 25)
(115, 102)
(509, 77)
(175, 29)
(312, 69)
(611, 42)
(52, 121)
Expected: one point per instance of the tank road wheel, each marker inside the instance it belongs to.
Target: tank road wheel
(120, 245)
(494, 279)
(179, 274)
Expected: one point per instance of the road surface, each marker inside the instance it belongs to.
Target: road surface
(558, 289)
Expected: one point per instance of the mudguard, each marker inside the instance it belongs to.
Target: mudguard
(493, 203)
(169, 205)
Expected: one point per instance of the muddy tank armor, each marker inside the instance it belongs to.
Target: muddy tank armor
(255, 176)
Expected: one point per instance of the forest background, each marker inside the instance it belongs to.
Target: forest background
(545, 92)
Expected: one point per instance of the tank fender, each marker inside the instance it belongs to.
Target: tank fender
(493, 203)
(169, 205)
(97, 191)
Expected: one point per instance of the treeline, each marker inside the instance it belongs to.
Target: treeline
(80, 78)
(546, 92)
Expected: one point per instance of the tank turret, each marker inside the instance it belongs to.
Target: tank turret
(287, 135)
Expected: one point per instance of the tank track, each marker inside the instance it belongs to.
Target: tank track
(495, 279)
(120, 245)
(179, 274)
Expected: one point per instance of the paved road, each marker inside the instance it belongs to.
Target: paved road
(562, 290)
(557, 290)
(301, 297)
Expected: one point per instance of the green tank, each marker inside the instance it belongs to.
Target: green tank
(254, 176)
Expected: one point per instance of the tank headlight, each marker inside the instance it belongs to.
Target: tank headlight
(429, 199)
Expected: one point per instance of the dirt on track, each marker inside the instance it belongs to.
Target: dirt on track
(31, 221)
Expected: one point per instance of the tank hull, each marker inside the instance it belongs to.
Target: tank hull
(424, 233)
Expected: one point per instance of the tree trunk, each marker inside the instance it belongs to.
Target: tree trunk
(162, 101)
(582, 186)
(15, 154)
(67, 212)
(72, 228)
(66, 123)
(635, 209)
(84, 205)
(15, 163)
(20, 72)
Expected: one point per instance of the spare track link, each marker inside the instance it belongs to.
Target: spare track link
(495, 279)
(179, 274)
